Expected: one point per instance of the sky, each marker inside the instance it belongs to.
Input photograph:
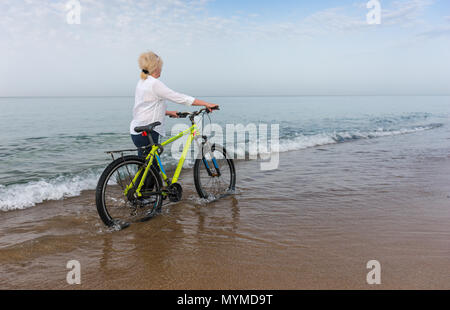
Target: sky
(226, 47)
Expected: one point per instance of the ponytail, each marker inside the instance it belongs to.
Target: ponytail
(149, 62)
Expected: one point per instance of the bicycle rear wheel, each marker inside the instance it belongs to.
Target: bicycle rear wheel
(117, 209)
(214, 173)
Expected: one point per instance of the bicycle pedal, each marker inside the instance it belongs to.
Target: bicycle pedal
(175, 192)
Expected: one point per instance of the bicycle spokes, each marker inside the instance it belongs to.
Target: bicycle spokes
(120, 199)
(215, 174)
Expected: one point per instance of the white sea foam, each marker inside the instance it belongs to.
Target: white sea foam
(21, 196)
(302, 142)
(307, 141)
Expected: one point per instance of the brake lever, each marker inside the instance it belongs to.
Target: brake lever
(182, 114)
(212, 109)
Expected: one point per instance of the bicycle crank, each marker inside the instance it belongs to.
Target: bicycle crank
(175, 192)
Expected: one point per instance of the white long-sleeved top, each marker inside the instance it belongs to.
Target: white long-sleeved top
(150, 103)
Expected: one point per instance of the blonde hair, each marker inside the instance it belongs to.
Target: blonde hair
(151, 62)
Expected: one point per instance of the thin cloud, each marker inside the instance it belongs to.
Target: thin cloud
(436, 32)
(406, 13)
(174, 22)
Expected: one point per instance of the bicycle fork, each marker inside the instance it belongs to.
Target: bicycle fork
(206, 148)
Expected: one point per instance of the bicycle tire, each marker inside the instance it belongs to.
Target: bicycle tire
(102, 208)
(199, 164)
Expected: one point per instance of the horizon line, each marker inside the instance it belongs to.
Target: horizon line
(223, 96)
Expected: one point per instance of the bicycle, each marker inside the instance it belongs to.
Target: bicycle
(132, 189)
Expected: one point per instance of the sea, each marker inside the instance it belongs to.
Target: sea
(52, 148)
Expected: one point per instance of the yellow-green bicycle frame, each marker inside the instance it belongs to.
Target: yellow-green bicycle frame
(192, 132)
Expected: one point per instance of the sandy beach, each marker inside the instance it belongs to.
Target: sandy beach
(312, 224)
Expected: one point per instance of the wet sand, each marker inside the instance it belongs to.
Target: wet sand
(312, 224)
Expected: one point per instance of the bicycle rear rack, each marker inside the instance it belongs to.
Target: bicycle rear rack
(124, 151)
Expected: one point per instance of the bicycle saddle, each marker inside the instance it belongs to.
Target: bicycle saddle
(147, 128)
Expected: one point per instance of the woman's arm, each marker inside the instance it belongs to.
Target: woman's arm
(160, 89)
(209, 106)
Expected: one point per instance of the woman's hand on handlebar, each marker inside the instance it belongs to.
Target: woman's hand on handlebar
(173, 114)
(211, 106)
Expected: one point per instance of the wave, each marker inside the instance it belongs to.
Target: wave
(21, 196)
(303, 142)
(320, 139)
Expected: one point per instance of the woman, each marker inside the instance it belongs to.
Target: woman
(150, 100)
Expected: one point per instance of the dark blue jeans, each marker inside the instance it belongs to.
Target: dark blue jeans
(140, 141)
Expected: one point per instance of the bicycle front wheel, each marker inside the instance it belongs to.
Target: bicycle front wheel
(214, 173)
(117, 202)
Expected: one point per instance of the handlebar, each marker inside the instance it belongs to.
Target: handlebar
(182, 114)
(195, 113)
